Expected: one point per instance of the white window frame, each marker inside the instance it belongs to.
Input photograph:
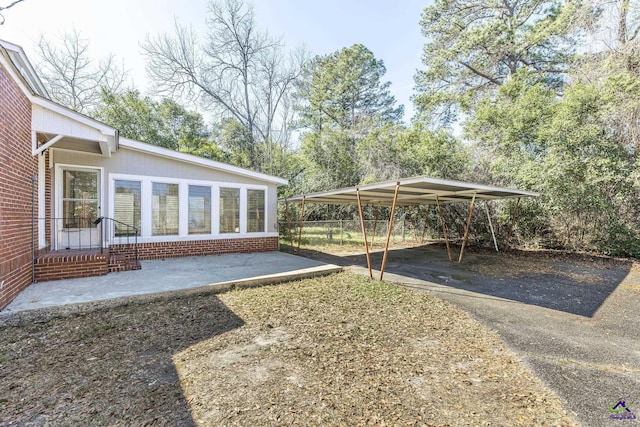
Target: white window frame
(180, 208)
(58, 187)
(265, 206)
(210, 209)
(112, 202)
(242, 221)
(183, 225)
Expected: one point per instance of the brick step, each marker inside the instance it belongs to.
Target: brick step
(122, 263)
(133, 265)
(69, 264)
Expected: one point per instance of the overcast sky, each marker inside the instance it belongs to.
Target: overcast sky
(390, 29)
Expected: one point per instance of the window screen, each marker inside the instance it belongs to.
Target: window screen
(199, 209)
(165, 209)
(255, 211)
(229, 210)
(79, 198)
(127, 207)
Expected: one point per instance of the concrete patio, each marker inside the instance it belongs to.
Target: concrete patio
(157, 276)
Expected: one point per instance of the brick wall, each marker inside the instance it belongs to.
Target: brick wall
(56, 266)
(199, 247)
(17, 166)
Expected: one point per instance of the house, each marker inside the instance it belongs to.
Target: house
(76, 199)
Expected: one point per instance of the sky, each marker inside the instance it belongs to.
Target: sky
(390, 29)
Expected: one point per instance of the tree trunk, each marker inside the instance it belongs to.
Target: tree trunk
(622, 22)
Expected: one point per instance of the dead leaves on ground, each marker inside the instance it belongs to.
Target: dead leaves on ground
(340, 350)
(348, 351)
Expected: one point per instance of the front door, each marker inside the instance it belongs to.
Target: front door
(79, 206)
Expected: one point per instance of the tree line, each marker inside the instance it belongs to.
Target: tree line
(539, 95)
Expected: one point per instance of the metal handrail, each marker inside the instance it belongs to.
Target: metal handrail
(67, 233)
(116, 232)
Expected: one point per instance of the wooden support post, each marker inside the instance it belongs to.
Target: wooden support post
(466, 230)
(301, 224)
(444, 228)
(375, 224)
(386, 246)
(288, 215)
(513, 222)
(493, 234)
(364, 233)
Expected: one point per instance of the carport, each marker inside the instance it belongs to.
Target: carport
(416, 191)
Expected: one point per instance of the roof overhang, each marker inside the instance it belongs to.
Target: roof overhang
(416, 191)
(60, 127)
(53, 125)
(25, 71)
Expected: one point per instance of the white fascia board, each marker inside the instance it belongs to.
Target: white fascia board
(15, 75)
(200, 161)
(24, 67)
(74, 115)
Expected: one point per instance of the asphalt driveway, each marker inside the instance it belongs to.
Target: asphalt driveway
(572, 319)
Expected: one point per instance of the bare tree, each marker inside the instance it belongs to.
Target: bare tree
(274, 98)
(612, 24)
(239, 72)
(72, 77)
(7, 7)
(628, 23)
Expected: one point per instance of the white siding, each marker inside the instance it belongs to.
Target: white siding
(47, 121)
(135, 163)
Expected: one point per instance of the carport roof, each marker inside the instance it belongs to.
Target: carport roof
(421, 190)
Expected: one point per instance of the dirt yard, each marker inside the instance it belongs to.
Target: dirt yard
(571, 318)
(340, 350)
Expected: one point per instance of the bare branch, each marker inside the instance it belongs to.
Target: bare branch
(72, 77)
(480, 74)
(10, 5)
(239, 71)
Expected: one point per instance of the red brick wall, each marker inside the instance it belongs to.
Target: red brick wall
(199, 247)
(17, 165)
(55, 266)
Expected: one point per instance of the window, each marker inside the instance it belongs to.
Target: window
(199, 209)
(126, 207)
(229, 210)
(255, 211)
(79, 198)
(165, 209)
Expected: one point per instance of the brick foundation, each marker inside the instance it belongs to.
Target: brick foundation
(199, 247)
(71, 264)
